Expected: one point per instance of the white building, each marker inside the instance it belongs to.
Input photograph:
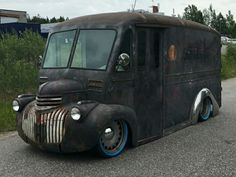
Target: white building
(12, 16)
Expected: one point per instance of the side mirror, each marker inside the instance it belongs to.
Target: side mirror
(40, 60)
(123, 62)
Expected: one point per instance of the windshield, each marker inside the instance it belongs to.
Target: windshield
(59, 49)
(93, 49)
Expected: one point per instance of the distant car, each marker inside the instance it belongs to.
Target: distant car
(232, 41)
(225, 39)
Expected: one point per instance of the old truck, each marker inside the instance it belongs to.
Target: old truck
(111, 79)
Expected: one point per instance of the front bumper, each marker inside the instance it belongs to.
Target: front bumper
(54, 129)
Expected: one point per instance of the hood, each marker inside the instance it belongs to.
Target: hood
(60, 87)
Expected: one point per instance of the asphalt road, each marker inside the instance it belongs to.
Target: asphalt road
(205, 149)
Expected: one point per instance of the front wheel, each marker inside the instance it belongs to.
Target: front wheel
(206, 110)
(113, 139)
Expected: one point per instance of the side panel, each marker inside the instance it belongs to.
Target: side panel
(148, 84)
(196, 66)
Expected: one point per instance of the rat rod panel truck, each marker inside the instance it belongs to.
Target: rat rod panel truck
(109, 79)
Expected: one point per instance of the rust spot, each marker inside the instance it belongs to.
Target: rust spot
(172, 53)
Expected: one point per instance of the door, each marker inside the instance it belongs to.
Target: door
(121, 86)
(148, 83)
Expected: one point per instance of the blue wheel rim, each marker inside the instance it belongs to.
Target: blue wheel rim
(207, 109)
(118, 147)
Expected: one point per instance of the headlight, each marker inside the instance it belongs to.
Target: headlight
(15, 105)
(75, 114)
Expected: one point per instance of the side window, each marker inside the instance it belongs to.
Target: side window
(126, 43)
(142, 35)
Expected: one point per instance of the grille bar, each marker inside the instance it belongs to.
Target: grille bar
(49, 128)
(47, 101)
(47, 125)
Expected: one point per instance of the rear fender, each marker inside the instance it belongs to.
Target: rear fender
(198, 103)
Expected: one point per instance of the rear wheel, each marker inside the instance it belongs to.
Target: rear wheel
(206, 110)
(113, 139)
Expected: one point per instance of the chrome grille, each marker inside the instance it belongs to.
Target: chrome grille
(46, 127)
(53, 126)
(48, 101)
(28, 122)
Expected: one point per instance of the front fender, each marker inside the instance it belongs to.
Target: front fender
(103, 114)
(84, 135)
(24, 100)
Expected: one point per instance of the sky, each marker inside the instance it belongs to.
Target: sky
(75, 8)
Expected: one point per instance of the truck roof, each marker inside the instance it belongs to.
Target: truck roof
(126, 18)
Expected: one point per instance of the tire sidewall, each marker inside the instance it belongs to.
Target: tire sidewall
(102, 151)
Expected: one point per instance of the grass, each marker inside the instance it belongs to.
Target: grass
(228, 68)
(228, 62)
(7, 116)
(18, 70)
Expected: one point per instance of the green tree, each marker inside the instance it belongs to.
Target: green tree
(206, 17)
(231, 25)
(38, 19)
(221, 24)
(224, 24)
(213, 17)
(192, 13)
(61, 19)
(233, 33)
(53, 20)
(42, 20)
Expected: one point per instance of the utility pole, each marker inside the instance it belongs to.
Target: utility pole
(173, 15)
(134, 5)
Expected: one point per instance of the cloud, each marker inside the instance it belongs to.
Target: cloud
(74, 8)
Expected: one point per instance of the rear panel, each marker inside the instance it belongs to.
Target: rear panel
(196, 66)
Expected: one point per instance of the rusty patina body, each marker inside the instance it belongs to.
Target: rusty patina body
(182, 60)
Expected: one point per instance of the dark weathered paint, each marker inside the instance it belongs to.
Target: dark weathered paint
(154, 101)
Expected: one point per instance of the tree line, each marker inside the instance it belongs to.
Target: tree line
(42, 20)
(224, 24)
